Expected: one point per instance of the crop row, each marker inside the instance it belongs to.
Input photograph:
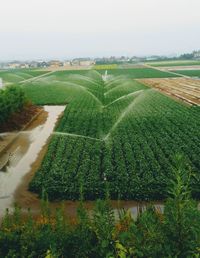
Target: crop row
(135, 134)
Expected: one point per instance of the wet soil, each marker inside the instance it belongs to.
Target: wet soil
(30, 148)
(23, 152)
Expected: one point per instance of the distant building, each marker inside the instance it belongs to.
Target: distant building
(24, 66)
(14, 65)
(197, 54)
(33, 64)
(75, 62)
(67, 63)
(87, 63)
(55, 63)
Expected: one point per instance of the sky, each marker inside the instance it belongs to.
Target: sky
(47, 29)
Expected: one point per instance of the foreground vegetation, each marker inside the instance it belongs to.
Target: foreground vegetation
(12, 99)
(117, 134)
(173, 233)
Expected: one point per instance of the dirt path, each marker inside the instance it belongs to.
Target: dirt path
(23, 152)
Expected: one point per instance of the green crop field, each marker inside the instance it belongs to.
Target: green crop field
(15, 76)
(115, 135)
(51, 89)
(137, 73)
(105, 66)
(174, 63)
(54, 89)
(192, 73)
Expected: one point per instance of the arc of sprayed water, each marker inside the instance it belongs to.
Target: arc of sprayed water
(83, 77)
(87, 91)
(76, 135)
(124, 113)
(36, 78)
(114, 88)
(114, 80)
(125, 96)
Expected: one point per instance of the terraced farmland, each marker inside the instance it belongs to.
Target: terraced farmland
(116, 135)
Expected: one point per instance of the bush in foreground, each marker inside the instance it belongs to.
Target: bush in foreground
(173, 233)
(12, 99)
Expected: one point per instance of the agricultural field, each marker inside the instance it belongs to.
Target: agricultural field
(174, 63)
(56, 88)
(116, 135)
(136, 73)
(184, 89)
(105, 67)
(15, 76)
(191, 73)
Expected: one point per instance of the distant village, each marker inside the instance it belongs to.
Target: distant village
(82, 62)
(78, 62)
(46, 64)
(88, 62)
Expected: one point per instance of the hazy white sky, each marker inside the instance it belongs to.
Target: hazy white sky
(72, 28)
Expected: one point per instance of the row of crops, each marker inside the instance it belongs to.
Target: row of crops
(118, 136)
(12, 99)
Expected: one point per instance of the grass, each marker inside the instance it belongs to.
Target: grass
(174, 63)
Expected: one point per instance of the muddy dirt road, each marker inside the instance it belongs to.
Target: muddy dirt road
(18, 158)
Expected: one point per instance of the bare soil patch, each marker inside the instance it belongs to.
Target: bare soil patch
(184, 89)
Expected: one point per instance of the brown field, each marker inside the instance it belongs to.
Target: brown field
(185, 89)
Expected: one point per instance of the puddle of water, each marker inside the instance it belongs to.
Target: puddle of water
(70, 207)
(22, 153)
(28, 149)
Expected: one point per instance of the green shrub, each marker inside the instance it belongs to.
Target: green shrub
(12, 99)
